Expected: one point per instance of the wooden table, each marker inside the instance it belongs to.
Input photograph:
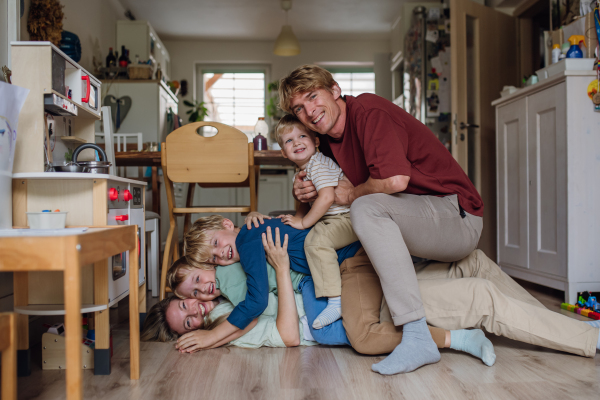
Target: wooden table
(152, 159)
(68, 254)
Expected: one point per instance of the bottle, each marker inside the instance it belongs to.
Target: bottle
(158, 72)
(261, 130)
(123, 58)
(127, 56)
(575, 51)
(564, 49)
(137, 59)
(111, 60)
(555, 53)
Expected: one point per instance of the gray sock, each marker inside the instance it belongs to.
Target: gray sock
(417, 349)
(595, 324)
(474, 342)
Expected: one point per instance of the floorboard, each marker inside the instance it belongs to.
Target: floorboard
(521, 372)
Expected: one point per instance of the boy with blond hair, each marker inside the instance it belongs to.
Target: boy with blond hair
(330, 222)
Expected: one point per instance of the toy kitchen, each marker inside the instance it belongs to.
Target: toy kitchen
(57, 118)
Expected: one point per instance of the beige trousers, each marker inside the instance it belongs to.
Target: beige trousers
(471, 293)
(392, 227)
(331, 233)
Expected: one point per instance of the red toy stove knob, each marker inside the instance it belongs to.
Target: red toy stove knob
(127, 195)
(122, 217)
(113, 194)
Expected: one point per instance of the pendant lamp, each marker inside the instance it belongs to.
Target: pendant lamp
(286, 43)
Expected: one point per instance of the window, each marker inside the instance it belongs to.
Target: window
(355, 83)
(234, 96)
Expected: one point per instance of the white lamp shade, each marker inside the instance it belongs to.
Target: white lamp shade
(286, 43)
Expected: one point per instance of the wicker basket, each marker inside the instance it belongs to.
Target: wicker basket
(139, 71)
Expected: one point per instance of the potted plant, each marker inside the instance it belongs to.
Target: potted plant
(198, 112)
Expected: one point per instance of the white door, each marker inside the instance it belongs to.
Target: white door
(546, 131)
(484, 59)
(513, 221)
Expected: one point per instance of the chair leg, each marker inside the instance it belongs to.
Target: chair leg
(165, 266)
(152, 256)
(187, 219)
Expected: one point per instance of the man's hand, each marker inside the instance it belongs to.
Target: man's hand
(293, 221)
(253, 218)
(304, 192)
(344, 193)
(195, 341)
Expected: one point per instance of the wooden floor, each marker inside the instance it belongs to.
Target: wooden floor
(521, 372)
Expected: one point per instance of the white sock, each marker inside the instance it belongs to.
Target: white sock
(595, 324)
(330, 314)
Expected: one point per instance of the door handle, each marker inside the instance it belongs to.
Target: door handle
(465, 126)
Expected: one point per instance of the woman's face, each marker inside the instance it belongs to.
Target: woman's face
(187, 315)
(200, 284)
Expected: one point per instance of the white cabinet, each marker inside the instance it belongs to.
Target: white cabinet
(140, 39)
(548, 177)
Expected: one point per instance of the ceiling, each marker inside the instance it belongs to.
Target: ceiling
(262, 19)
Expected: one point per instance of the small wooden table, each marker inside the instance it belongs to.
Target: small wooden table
(68, 254)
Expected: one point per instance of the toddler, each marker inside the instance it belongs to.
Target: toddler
(332, 227)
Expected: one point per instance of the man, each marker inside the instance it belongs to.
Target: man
(408, 196)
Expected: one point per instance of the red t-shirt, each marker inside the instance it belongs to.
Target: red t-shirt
(382, 140)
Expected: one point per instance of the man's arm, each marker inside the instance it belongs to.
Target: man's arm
(346, 193)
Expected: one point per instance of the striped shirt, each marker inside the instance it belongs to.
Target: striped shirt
(324, 172)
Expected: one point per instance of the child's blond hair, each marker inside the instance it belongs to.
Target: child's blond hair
(287, 124)
(196, 247)
(179, 271)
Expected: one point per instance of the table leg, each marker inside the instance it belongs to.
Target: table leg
(134, 320)
(155, 191)
(8, 346)
(21, 298)
(102, 320)
(142, 303)
(73, 330)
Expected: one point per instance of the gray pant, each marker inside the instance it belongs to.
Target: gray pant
(393, 227)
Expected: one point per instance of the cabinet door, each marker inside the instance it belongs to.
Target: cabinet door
(511, 148)
(546, 132)
(275, 191)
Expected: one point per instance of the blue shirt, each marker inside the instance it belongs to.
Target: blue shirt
(254, 260)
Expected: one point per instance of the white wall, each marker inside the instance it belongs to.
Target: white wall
(186, 53)
(94, 21)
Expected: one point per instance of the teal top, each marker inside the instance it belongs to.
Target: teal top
(231, 281)
(265, 333)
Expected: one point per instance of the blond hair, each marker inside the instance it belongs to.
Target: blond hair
(287, 124)
(156, 327)
(303, 79)
(196, 245)
(179, 271)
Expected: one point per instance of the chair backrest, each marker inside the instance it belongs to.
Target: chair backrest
(223, 158)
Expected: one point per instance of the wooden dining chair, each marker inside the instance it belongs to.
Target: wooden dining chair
(8, 347)
(223, 160)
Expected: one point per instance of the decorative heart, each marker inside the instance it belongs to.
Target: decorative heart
(118, 107)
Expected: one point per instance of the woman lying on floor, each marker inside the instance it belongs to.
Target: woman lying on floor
(471, 293)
